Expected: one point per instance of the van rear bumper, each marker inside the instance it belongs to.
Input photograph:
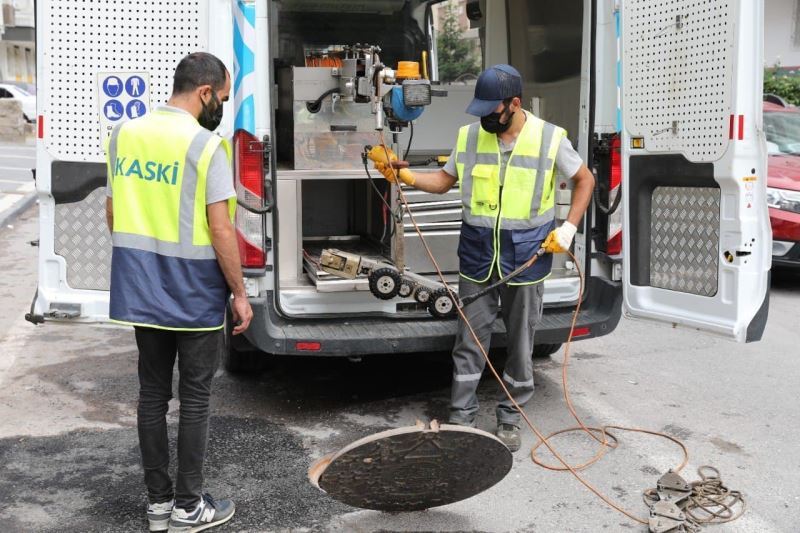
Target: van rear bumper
(273, 334)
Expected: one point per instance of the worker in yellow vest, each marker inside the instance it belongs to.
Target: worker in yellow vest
(175, 263)
(505, 166)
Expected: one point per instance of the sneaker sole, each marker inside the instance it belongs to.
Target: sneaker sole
(159, 525)
(196, 529)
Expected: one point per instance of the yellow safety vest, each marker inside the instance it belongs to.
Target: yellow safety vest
(503, 226)
(164, 271)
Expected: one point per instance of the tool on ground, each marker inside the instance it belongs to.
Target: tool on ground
(718, 504)
(413, 468)
(678, 506)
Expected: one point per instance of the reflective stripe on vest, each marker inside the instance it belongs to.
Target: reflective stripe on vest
(528, 189)
(501, 230)
(164, 269)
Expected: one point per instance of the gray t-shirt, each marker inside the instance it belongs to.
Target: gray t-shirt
(219, 182)
(568, 162)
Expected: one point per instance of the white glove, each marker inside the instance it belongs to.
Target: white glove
(560, 239)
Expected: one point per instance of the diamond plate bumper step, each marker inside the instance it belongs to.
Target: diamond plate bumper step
(413, 468)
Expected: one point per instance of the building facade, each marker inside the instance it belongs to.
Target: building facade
(17, 41)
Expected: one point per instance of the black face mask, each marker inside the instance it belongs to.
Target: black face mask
(492, 124)
(210, 118)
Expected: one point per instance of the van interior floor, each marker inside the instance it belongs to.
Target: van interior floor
(325, 282)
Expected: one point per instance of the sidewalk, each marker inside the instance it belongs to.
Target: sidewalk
(17, 188)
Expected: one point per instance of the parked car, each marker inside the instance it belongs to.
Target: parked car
(30, 88)
(782, 127)
(28, 100)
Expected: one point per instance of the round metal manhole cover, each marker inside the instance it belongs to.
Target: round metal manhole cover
(413, 468)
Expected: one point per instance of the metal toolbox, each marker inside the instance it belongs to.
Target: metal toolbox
(333, 137)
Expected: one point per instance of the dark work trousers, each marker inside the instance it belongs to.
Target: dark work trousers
(521, 309)
(198, 355)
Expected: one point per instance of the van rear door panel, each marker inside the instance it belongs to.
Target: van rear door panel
(73, 50)
(697, 238)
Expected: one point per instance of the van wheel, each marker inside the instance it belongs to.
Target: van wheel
(239, 361)
(545, 350)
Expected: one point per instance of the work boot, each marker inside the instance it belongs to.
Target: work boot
(208, 513)
(509, 434)
(158, 515)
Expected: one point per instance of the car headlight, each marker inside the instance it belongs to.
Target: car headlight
(783, 199)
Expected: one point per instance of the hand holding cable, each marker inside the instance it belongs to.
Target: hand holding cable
(560, 239)
(386, 163)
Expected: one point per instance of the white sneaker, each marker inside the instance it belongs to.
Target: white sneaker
(208, 513)
(158, 515)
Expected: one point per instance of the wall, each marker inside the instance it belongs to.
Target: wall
(780, 27)
(18, 57)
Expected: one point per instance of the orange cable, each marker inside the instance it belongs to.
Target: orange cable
(542, 439)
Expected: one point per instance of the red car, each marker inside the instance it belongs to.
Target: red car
(782, 127)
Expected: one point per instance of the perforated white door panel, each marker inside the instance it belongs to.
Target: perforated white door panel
(87, 37)
(696, 233)
(77, 41)
(678, 66)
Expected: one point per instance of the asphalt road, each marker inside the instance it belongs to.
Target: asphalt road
(16, 181)
(69, 455)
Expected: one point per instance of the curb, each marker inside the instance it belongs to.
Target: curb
(9, 215)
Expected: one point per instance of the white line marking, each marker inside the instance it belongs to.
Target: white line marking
(8, 201)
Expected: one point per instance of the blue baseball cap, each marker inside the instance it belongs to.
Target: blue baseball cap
(495, 84)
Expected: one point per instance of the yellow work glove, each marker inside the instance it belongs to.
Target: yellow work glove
(560, 239)
(378, 155)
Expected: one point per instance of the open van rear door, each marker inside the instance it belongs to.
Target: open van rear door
(95, 71)
(697, 238)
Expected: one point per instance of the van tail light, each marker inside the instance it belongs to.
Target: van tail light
(615, 181)
(308, 346)
(581, 332)
(248, 165)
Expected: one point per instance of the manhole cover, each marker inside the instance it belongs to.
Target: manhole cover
(413, 468)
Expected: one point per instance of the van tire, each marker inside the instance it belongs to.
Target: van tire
(239, 361)
(544, 350)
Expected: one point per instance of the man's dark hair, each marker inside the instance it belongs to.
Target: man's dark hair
(197, 69)
(507, 101)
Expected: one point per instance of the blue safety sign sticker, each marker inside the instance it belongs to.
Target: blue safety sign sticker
(135, 109)
(113, 110)
(121, 96)
(112, 86)
(135, 86)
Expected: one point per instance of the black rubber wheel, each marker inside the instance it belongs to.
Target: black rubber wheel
(545, 350)
(406, 288)
(237, 361)
(441, 305)
(384, 283)
(422, 295)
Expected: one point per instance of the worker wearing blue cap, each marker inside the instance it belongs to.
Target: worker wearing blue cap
(505, 166)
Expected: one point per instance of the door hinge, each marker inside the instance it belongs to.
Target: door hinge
(63, 311)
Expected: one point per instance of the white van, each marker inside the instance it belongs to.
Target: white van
(664, 97)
